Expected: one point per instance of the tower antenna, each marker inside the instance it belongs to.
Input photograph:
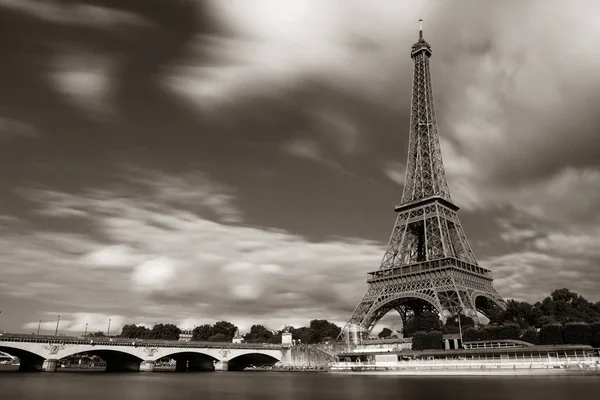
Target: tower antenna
(420, 29)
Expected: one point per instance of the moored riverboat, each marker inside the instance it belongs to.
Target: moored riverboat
(530, 360)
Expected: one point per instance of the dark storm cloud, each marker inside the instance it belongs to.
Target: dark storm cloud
(233, 147)
(124, 58)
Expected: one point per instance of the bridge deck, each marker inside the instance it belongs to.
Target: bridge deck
(106, 341)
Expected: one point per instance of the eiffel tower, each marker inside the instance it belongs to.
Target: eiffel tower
(428, 264)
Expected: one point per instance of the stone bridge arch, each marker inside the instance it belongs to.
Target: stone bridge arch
(69, 351)
(187, 359)
(117, 358)
(29, 358)
(245, 358)
(220, 359)
(387, 302)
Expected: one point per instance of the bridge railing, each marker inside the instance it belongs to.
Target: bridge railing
(114, 341)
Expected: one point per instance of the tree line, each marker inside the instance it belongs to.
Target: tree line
(317, 330)
(224, 331)
(564, 317)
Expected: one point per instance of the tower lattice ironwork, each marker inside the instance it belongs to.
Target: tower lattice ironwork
(428, 263)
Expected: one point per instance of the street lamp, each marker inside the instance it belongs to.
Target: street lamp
(460, 328)
(108, 330)
(39, 324)
(85, 333)
(56, 330)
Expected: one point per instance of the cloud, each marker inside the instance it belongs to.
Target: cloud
(152, 188)
(85, 78)
(74, 14)
(548, 198)
(271, 52)
(183, 263)
(181, 257)
(111, 256)
(492, 116)
(578, 244)
(518, 235)
(545, 261)
(154, 274)
(243, 108)
(304, 149)
(192, 187)
(13, 128)
(396, 171)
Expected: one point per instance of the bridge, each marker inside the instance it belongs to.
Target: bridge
(42, 353)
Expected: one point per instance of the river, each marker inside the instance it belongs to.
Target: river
(286, 386)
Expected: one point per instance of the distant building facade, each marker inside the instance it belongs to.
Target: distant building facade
(237, 338)
(186, 335)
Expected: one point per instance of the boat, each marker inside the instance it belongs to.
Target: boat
(473, 361)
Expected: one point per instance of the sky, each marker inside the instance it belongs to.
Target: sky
(193, 161)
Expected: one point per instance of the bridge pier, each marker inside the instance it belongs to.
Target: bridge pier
(286, 358)
(147, 366)
(50, 365)
(222, 366)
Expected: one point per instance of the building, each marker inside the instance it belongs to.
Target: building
(186, 335)
(237, 338)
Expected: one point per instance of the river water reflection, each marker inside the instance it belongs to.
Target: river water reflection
(286, 386)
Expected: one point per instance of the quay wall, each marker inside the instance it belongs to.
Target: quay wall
(311, 356)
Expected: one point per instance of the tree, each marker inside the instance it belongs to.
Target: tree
(508, 331)
(258, 334)
(219, 337)
(563, 294)
(452, 324)
(551, 334)
(202, 333)
(385, 333)
(564, 306)
(275, 339)
(530, 335)
(420, 341)
(97, 334)
(521, 313)
(577, 333)
(545, 320)
(226, 328)
(490, 309)
(471, 334)
(165, 332)
(427, 321)
(321, 328)
(435, 340)
(595, 334)
(135, 332)
(303, 334)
